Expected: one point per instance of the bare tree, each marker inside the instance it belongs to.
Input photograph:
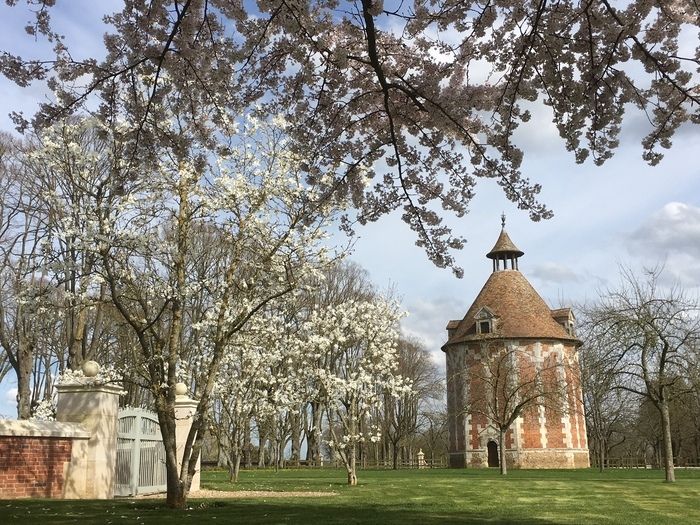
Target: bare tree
(402, 413)
(609, 411)
(510, 382)
(23, 283)
(434, 433)
(649, 332)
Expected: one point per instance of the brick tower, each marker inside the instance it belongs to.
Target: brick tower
(511, 349)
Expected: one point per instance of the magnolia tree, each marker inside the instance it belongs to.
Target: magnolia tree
(53, 310)
(261, 228)
(421, 99)
(354, 348)
(340, 283)
(71, 170)
(262, 377)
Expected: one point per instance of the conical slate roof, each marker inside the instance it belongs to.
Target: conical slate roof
(518, 310)
(504, 246)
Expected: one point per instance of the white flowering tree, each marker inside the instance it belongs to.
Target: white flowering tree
(71, 173)
(246, 207)
(262, 378)
(52, 304)
(353, 348)
(341, 282)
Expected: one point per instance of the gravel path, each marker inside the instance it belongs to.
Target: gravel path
(241, 494)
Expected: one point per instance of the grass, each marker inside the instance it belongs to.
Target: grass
(404, 497)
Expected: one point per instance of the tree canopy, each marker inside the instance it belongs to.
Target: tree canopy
(405, 104)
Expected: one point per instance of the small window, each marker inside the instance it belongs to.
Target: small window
(484, 327)
(484, 320)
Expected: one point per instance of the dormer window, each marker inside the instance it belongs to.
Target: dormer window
(565, 317)
(484, 321)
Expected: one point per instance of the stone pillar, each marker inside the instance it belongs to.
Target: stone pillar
(184, 412)
(94, 407)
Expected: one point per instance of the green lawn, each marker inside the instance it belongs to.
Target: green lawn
(404, 497)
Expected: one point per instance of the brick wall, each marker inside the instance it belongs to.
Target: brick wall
(32, 467)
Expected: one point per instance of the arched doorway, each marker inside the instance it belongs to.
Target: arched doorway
(492, 449)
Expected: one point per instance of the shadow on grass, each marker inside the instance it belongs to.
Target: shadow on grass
(260, 511)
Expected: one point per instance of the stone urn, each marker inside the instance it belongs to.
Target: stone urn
(90, 368)
(180, 389)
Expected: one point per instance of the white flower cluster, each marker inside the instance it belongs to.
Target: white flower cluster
(106, 375)
(45, 410)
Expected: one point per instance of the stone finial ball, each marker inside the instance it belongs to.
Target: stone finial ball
(180, 389)
(90, 368)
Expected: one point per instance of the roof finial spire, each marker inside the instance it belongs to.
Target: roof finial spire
(504, 250)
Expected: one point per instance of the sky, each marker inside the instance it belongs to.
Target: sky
(623, 213)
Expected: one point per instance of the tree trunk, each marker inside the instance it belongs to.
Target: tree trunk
(75, 348)
(25, 358)
(502, 451)
(601, 456)
(277, 449)
(315, 434)
(351, 466)
(667, 442)
(261, 451)
(247, 452)
(295, 423)
(176, 497)
(310, 446)
(234, 467)
(394, 456)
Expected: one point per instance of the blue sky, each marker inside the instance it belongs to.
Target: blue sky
(624, 212)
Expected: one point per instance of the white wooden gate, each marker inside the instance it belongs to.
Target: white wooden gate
(140, 454)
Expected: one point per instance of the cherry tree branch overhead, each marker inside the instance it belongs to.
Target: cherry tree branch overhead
(407, 103)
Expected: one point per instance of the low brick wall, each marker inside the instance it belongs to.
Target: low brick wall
(35, 457)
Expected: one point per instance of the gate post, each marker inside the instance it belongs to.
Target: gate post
(94, 406)
(184, 412)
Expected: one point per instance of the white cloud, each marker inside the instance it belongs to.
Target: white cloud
(551, 272)
(427, 320)
(670, 236)
(675, 228)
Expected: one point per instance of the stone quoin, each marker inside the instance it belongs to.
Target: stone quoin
(509, 321)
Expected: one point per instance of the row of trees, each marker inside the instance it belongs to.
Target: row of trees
(167, 270)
